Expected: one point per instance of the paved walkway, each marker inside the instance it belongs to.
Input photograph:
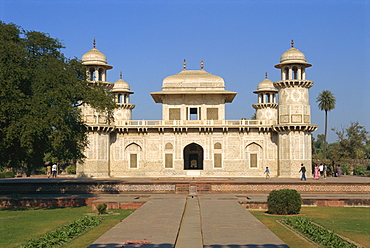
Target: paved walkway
(180, 221)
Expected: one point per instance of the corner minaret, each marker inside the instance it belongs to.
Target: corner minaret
(121, 91)
(266, 108)
(294, 115)
(96, 72)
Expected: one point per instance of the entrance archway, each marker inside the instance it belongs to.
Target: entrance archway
(193, 157)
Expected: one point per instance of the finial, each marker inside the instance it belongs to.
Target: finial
(120, 75)
(292, 43)
(94, 43)
(266, 75)
(184, 65)
(202, 65)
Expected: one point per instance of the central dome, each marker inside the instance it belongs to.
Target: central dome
(193, 78)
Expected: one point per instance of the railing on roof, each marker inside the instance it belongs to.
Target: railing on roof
(189, 123)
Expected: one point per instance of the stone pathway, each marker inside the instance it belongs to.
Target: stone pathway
(180, 221)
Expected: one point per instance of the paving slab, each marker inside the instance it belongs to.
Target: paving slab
(226, 224)
(156, 222)
(180, 221)
(190, 232)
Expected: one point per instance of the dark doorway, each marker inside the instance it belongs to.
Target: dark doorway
(193, 157)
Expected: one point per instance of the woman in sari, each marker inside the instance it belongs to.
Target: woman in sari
(316, 173)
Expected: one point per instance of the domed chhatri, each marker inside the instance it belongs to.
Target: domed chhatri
(95, 57)
(121, 85)
(265, 85)
(293, 56)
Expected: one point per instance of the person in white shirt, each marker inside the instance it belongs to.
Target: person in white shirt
(321, 168)
(54, 170)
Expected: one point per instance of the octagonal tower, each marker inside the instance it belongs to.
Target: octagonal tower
(294, 115)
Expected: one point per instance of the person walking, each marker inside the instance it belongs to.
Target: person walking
(316, 173)
(339, 171)
(303, 170)
(267, 172)
(48, 171)
(54, 170)
(325, 169)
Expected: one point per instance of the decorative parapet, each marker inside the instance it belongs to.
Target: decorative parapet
(293, 83)
(298, 128)
(265, 105)
(177, 126)
(126, 105)
(195, 123)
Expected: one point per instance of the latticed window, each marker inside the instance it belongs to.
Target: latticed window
(168, 146)
(133, 160)
(253, 160)
(168, 160)
(217, 160)
(218, 145)
(174, 114)
(212, 114)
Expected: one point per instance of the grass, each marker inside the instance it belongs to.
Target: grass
(20, 225)
(350, 222)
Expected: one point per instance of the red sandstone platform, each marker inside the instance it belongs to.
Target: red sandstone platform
(121, 192)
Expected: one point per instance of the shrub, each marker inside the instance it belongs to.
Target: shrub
(284, 201)
(40, 171)
(71, 169)
(316, 233)
(102, 207)
(345, 169)
(64, 234)
(9, 174)
(359, 170)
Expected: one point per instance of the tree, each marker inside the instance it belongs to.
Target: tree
(352, 143)
(317, 146)
(326, 102)
(40, 91)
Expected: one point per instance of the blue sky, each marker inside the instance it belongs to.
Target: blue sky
(238, 40)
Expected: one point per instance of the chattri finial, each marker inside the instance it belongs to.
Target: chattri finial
(292, 43)
(202, 65)
(94, 43)
(184, 66)
(120, 75)
(266, 75)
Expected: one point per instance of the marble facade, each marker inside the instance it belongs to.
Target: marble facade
(193, 138)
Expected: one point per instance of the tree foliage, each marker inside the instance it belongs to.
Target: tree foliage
(352, 143)
(40, 91)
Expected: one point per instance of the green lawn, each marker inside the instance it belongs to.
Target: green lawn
(350, 222)
(20, 225)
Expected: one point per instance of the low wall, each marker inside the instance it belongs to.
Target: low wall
(94, 187)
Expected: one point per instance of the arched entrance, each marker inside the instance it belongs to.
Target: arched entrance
(193, 157)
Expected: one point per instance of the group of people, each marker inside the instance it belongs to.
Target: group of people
(320, 171)
(51, 171)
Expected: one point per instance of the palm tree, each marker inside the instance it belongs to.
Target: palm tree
(326, 102)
